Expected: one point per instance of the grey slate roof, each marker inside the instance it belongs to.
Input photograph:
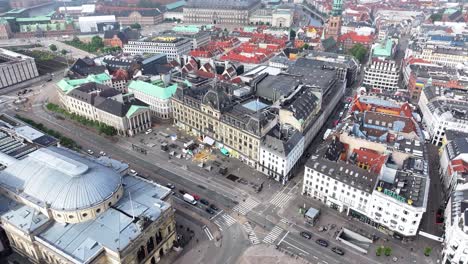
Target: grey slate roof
(61, 178)
(279, 146)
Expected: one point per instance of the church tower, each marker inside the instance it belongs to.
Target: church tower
(333, 27)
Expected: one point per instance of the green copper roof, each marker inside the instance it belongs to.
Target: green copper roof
(188, 28)
(250, 29)
(133, 109)
(383, 49)
(175, 5)
(33, 19)
(16, 11)
(66, 85)
(153, 90)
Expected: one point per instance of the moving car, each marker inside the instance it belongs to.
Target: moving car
(305, 234)
(189, 199)
(322, 242)
(205, 202)
(182, 191)
(197, 197)
(208, 210)
(338, 251)
(102, 153)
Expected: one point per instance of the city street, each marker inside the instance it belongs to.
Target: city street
(245, 217)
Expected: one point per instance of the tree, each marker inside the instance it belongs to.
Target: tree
(53, 47)
(427, 251)
(96, 42)
(436, 17)
(305, 46)
(135, 26)
(378, 251)
(359, 52)
(64, 52)
(292, 34)
(387, 251)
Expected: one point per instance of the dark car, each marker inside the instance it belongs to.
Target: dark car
(182, 191)
(322, 242)
(212, 206)
(338, 251)
(208, 210)
(306, 235)
(205, 202)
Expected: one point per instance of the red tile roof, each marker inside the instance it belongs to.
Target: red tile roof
(355, 38)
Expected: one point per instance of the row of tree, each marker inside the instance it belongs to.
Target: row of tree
(100, 127)
(94, 45)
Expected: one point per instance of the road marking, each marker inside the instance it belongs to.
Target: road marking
(273, 235)
(216, 215)
(251, 234)
(218, 224)
(245, 207)
(305, 252)
(282, 238)
(280, 199)
(294, 187)
(208, 233)
(315, 257)
(324, 262)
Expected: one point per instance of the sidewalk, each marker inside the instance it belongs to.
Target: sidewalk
(406, 252)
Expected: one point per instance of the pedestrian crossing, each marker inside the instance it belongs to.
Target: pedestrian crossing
(245, 207)
(280, 199)
(284, 221)
(252, 236)
(224, 221)
(273, 235)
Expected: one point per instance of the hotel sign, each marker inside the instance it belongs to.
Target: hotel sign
(394, 195)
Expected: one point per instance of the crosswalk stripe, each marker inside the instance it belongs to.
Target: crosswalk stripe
(273, 235)
(208, 233)
(280, 199)
(218, 224)
(245, 207)
(251, 234)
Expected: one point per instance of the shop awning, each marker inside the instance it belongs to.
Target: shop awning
(224, 151)
(209, 141)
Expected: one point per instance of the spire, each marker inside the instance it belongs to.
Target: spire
(337, 7)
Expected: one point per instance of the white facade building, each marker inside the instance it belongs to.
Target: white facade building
(443, 109)
(157, 97)
(442, 55)
(89, 24)
(339, 185)
(382, 73)
(278, 157)
(456, 227)
(171, 46)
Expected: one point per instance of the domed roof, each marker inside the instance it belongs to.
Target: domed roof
(62, 179)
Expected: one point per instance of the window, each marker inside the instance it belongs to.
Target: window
(84, 214)
(98, 210)
(71, 216)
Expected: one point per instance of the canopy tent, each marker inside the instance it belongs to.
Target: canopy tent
(224, 151)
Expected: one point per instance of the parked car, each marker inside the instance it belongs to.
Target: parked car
(90, 152)
(170, 186)
(102, 153)
(203, 201)
(208, 210)
(148, 131)
(322, 242)
(197, 197)
(338, 251)
(182, 192)
(133, 172)
(212, 206)
(305, 234)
